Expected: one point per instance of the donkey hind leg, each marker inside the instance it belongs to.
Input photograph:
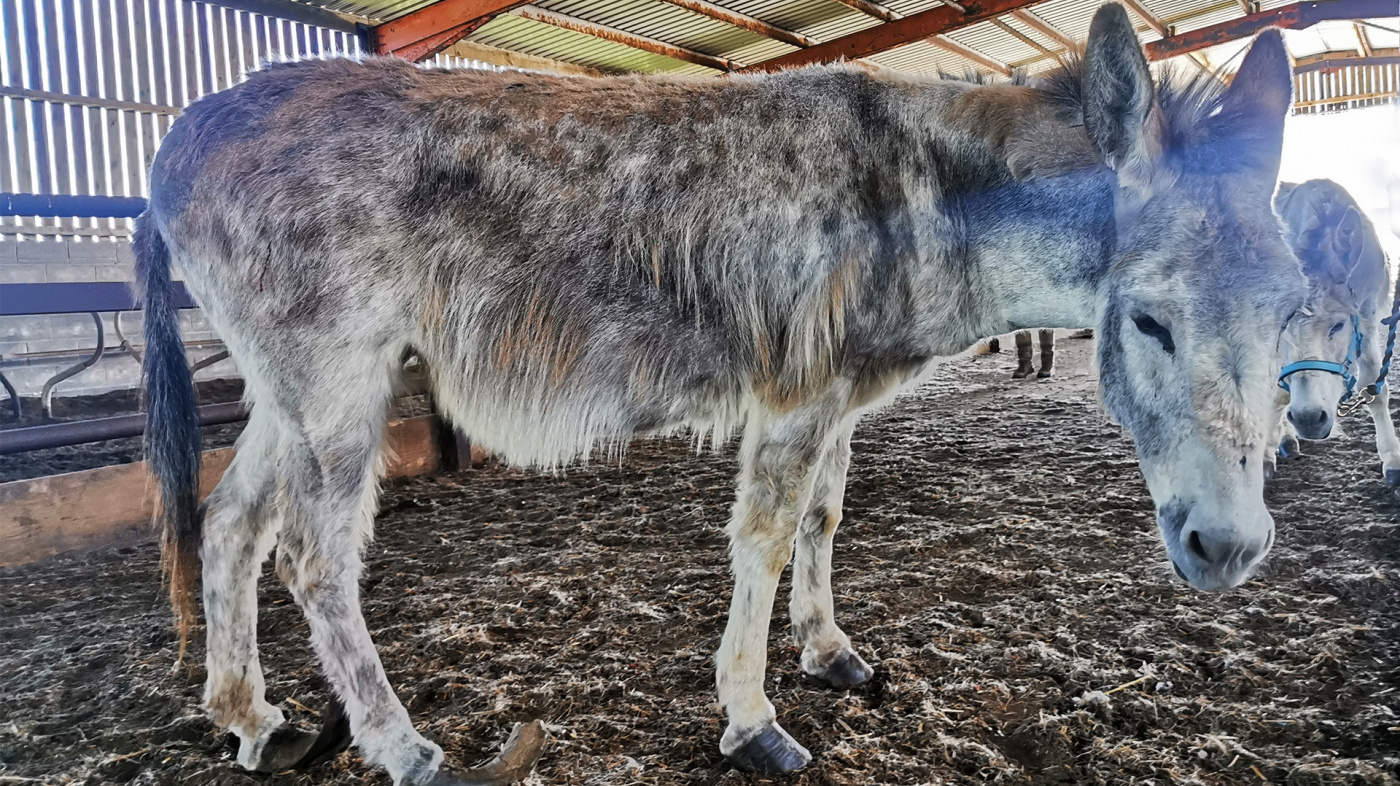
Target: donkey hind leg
(239, 527)
(1047, 353)
(826, 650)
(778, 463)
(1024, 351)
(332, 487)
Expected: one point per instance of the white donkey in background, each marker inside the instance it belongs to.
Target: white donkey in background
(1333, 350)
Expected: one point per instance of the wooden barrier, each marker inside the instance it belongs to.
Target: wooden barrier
(44, 517)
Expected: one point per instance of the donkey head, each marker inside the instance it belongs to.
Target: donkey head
(1335, 244)
(1200, 288)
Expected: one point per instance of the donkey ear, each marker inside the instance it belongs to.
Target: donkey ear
(1119, 97)
(1258, 100)
(1349, 240)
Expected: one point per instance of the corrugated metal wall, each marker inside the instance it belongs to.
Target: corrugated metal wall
(89, 87)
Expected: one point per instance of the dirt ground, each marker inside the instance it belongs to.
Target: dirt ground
(999, 566)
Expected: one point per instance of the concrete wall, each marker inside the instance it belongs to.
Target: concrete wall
(79, 259)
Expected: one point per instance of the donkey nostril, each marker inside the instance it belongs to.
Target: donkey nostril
(1194, 545)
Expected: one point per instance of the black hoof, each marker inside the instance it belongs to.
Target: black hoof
(847, 671)
(1392, 477)
(291, 748)
(1288, 447)
(773, 750)
(1269, 469)
(334, 737)
(516, 760)
(1043, 374)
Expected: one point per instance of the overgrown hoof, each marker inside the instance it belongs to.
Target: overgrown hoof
(290, 748)
(515, 762)
(1392, 477)
(1022, 373)
(846, 671)
(772, 750)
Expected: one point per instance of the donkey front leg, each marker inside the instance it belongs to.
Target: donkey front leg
(826, 650)
(775, 484)
(1387, 445)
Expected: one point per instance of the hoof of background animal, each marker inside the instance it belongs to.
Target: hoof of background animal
(515, 762)
(291, 748)
(847, 670)
(1269, 469)
(1022, 373)
(1044, 374)
(771, 750)
(1288, 447)
(1085, 333)
(993, 346)
(1392, 477)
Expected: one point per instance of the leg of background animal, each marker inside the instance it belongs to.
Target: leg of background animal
(779, 459)
(1387, 445)
(1024, 350)
(1282, 442)
(1047, 353)
(239, 527)
(826, 650)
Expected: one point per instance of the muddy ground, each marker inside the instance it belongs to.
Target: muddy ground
(999, 566)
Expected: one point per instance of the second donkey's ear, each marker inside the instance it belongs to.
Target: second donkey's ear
(1349, 240)
(1120, 105)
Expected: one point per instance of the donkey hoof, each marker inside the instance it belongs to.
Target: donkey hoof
(1392, 477)
(515, 762)
(1269, 469)
(290, 748)
(1288, 447)
(771, 750)
(1044, 374)
(847, 670)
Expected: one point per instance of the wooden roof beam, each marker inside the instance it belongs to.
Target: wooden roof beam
(1046, 29)
(1148, 18)
(1292, 17)
(1025, 39)
(1363, 44)
(431, 29)
(968, 53)
(935, 21)
(607, 33)
(745, 22)
(873, 9)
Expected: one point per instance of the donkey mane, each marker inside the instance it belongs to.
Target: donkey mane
(1203, 133)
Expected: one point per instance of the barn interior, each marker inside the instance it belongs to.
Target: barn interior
(999, 554)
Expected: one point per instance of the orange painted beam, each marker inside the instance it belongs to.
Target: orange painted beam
(935, 21)
(1292, 17)
(427, 31)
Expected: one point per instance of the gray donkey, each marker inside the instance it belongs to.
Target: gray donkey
(1338, 340)
(580, 260)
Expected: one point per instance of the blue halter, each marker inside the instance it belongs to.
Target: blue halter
(1342, 369)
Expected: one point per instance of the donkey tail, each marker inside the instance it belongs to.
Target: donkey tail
(172, 423)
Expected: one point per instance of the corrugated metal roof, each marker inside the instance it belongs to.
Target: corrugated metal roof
(825, 20)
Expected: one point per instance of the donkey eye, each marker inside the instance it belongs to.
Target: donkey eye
(1335, 328)
(1151, 327)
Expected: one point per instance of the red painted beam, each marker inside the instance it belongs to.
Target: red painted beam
(427, 31)
(935, 21)
(1291, 17)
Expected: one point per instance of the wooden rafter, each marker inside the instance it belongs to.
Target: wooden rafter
(873, 9)
(607, 33)
(1045, 28)
(1363, 43)
(967, 53)
(1025, 39)
(935, 21)
(745, 22)
(429, 30)
(1292, 17)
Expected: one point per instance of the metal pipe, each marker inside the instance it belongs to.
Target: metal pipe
(46, 395)
(79, 432)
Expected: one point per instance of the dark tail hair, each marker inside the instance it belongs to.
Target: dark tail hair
(172, 423)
